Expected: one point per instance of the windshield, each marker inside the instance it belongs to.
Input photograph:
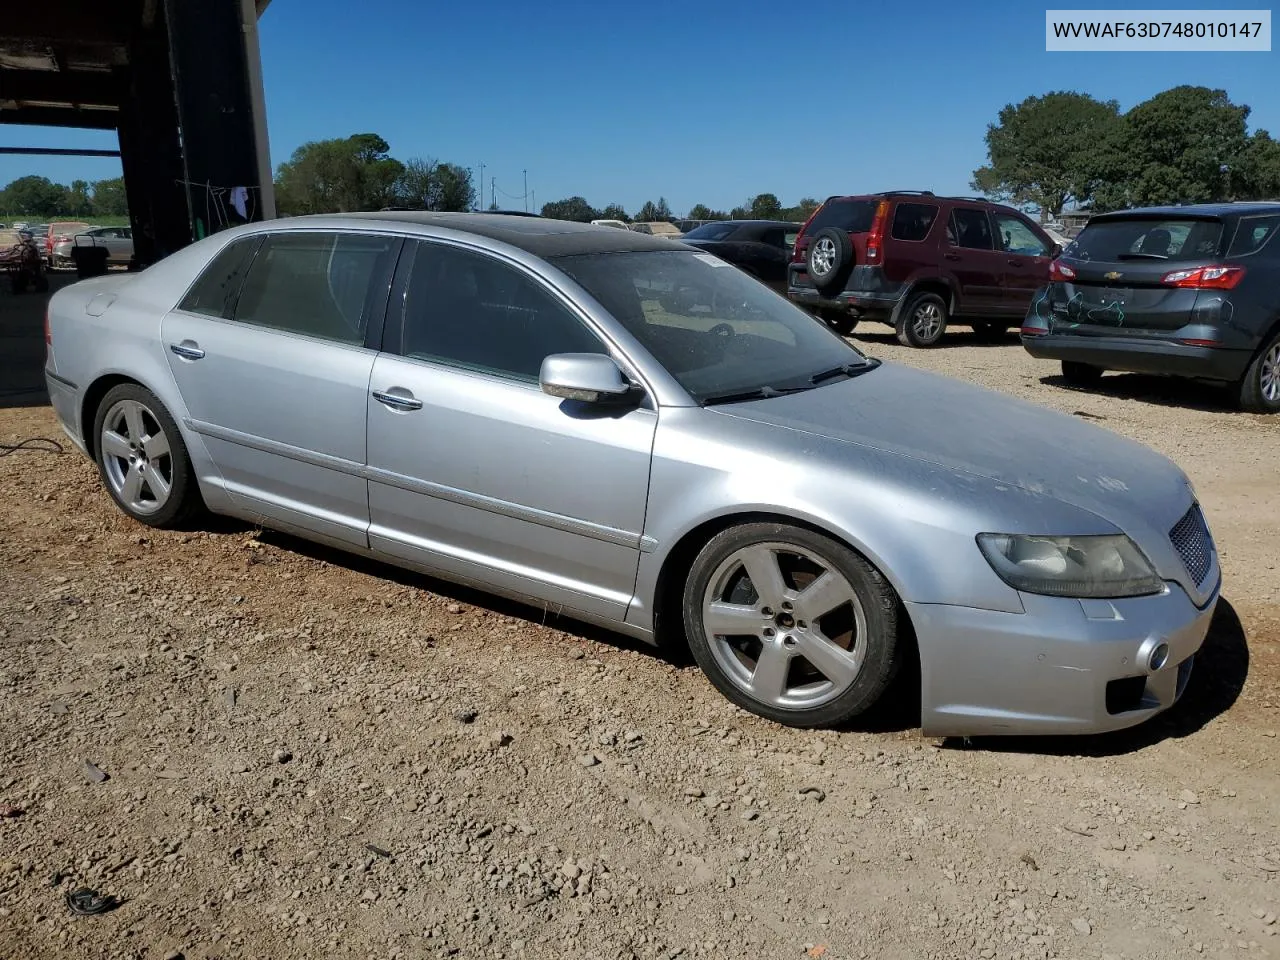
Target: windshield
(711, 231)
(717, 331)
(1144, 238)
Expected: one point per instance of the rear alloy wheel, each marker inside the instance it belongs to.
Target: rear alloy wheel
(838, 320)
(1260, 387)
(829, 259)
(923, 321)
(791, 625)
(142, 458)
(1081, 374)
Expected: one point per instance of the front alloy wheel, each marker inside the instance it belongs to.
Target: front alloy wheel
(791, 625)
(1260, 388)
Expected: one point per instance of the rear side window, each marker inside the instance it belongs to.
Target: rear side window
(854, 216)
(913, 221)
(971, 228)
(1144, 238)
(712, 231)
(214, 294)
(1253, 234)
(318, 284)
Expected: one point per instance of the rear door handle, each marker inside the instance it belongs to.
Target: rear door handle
(951, 256)
(396, 401)
(187, 350)
(1016, 263)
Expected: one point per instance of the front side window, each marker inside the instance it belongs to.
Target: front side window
(471, 310)
(214, 293)
(318, 284)
(1016, 237)
(1252, 234)
(971, 228)
(716, 330)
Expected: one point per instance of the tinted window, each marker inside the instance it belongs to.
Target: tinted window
(319, 284)
(1017, 237)
(913, 221)
(1252, 234)
(214, 294)
(1145, 238)
(477, 312)
(854, 216)
(711, 231)
(971, 228)
(715, 329)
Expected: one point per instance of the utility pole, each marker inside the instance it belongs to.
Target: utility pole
(482, 186)
(493, 191)
(526, 190)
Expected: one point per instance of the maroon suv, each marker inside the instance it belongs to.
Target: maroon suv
(918, 262)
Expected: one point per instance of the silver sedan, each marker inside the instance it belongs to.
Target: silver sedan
(639, 435)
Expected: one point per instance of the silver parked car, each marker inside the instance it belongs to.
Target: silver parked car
(117, 240)
(506, 402)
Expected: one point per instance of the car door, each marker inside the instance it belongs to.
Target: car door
(473, 470)
(1027, 257)
(269, 352)
(974, 263)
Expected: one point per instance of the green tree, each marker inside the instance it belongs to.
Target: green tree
(573, 208)
(336, 176)
(33, 197)
(109, 198)
(1183, 144)
(740, 213)
(454, 192)
(801, 212)
(76, 202)
(432, 185)
(614, 211)
(1052, 150)
(662, 211)
(1256, 173)
(765, 206)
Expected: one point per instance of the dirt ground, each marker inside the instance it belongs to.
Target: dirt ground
(310, 756)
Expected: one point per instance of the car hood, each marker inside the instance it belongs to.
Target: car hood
(942, 421)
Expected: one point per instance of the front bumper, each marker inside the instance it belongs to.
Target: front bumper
(1063, 666)
(1141, 355)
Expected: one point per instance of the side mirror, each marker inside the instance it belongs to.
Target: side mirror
(1056, 250)
(586, 377)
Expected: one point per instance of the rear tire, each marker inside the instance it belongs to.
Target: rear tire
(830, 259)
(797, 656)
(923, 321)
(1081, 374)
(1260, 386)
(838, 320)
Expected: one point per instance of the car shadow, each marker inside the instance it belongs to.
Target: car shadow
(958, 336)
(1156, 390)
(1220, 671)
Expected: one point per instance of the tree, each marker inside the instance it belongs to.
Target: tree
(662, 211)
(1051, 150)
(802, 211)
(1256, 173)
(648, 213)
(765, 206)
(336, 176)
(574, 208)
(109, 198)
(455, 192)
(1183, 144)
(33, 197)
(700, 211)
(614, 211)
(76, 201)
(432, 185)
(740, 213)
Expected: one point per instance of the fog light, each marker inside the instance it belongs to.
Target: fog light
(1159, 656)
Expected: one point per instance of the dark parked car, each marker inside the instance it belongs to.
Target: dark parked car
(1192, 291)
(760, 247)
(917, 262)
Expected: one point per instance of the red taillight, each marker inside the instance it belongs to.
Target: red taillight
(1060, 271)
(1205, 278)
(1196, 342)
(875, 238)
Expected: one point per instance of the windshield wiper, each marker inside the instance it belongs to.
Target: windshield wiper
(849, 370)
(759, 393)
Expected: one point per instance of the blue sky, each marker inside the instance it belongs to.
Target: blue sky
(696, 100)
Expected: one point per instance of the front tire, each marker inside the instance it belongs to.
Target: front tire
(791, 625)
(1260, 386)
(1081, 374)
(142, 459)
(923, 321)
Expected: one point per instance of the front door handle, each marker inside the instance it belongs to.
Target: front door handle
(187, 350)
(951, 256)
(1015, 263)
(396, 401)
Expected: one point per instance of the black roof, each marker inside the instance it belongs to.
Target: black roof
(1194, 210)
(751, 223)
(537, 235)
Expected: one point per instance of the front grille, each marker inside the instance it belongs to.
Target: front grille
(1190, 537)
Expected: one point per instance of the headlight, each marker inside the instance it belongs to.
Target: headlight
(1086, 567)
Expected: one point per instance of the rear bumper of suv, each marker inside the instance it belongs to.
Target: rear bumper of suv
(1141, 355)
(867, 292)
